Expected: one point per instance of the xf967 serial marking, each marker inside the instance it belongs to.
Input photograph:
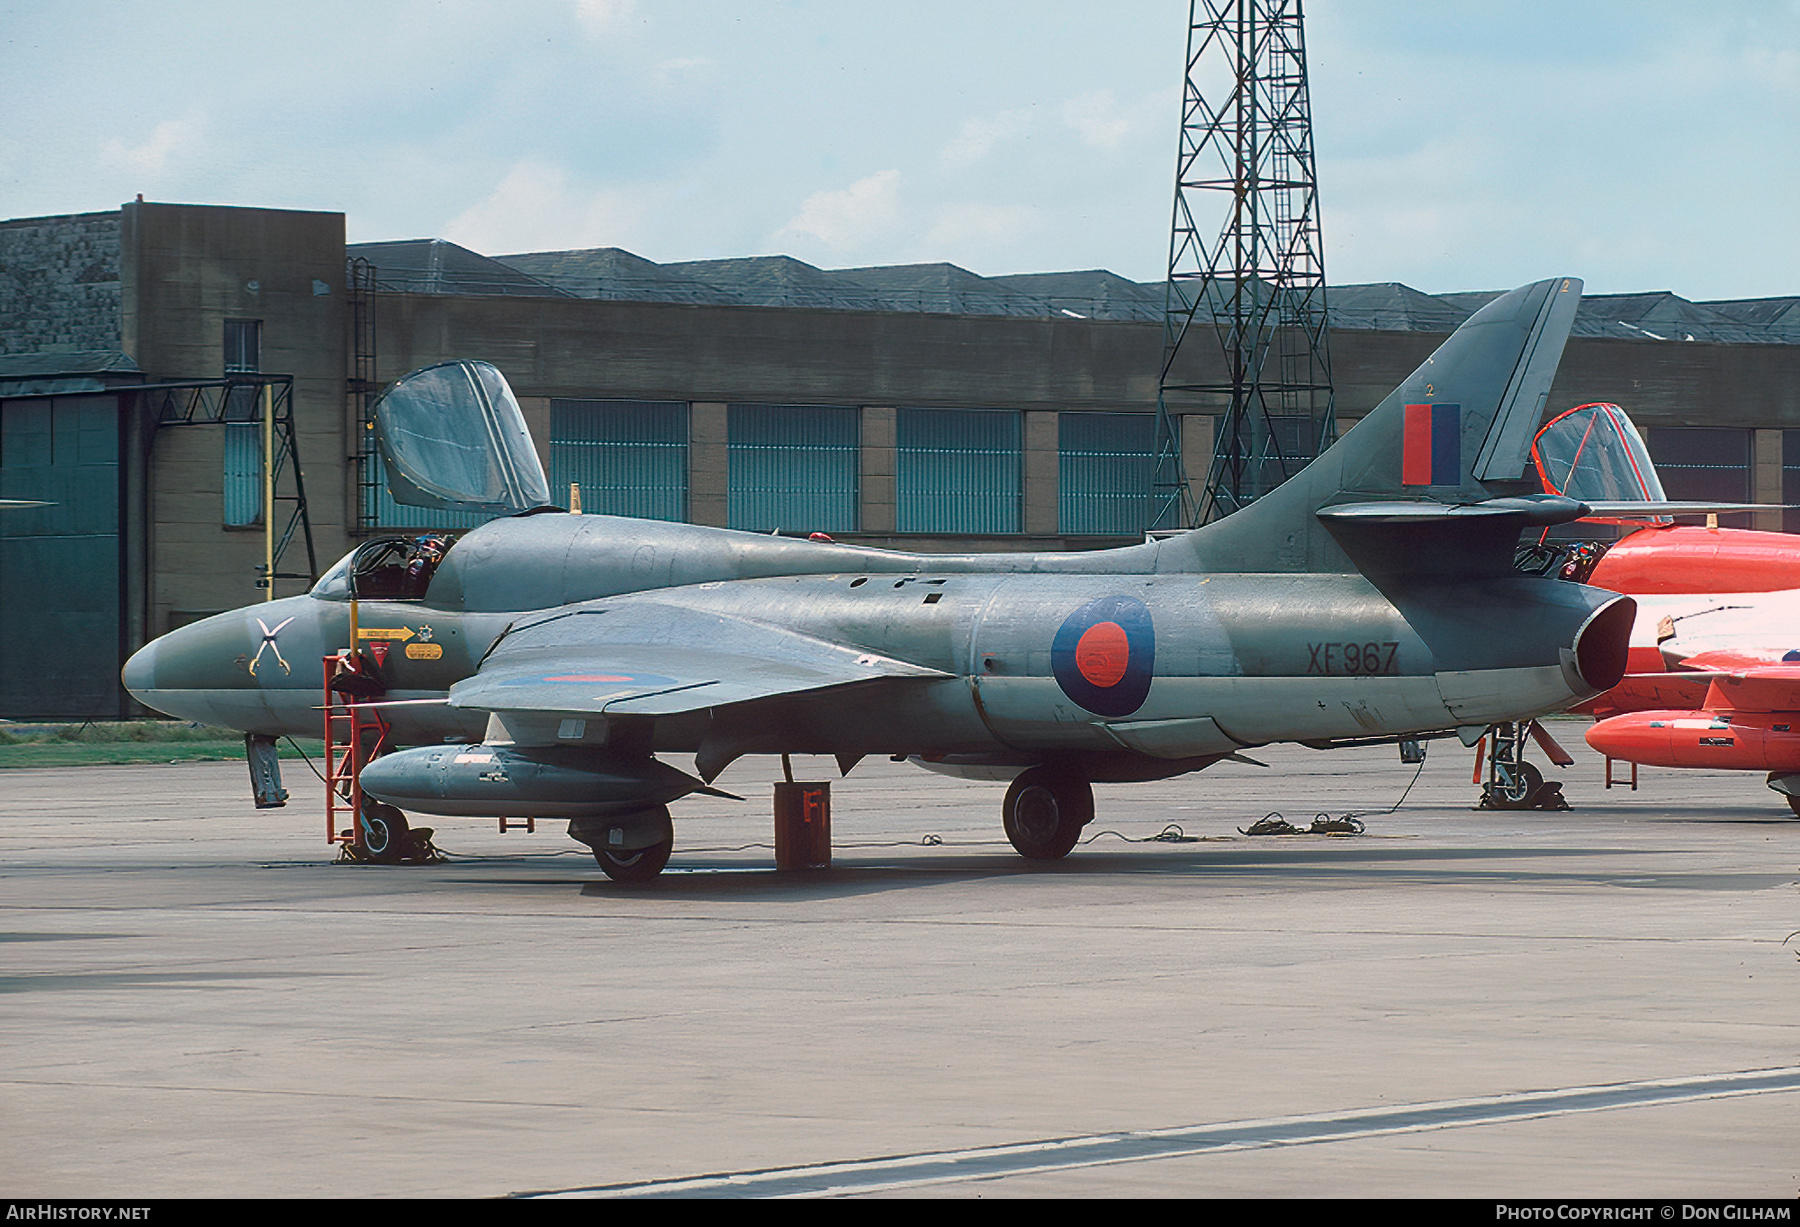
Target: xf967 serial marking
(1353, 659)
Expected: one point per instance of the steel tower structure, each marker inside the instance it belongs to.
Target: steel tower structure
(1244, 325)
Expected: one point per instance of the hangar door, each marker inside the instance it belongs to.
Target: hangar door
(61, 623)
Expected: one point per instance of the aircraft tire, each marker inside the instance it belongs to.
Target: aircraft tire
(1044, 812)
(640, 865)
(1520, 791)
(386, 836)
(1794, 804)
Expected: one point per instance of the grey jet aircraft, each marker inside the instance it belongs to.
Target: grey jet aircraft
(540, 663)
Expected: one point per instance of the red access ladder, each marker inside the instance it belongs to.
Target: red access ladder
(355, 733)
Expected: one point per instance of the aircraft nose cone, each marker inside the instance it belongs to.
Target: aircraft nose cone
(139, 673)
(223, 669)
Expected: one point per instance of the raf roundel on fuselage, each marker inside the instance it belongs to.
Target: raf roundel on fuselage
(1104, 655)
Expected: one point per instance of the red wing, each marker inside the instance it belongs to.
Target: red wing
(1648, 692)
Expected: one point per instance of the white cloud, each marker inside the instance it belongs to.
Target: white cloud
(602, 17)
(848, 217)
(1097, 117)
(680, 69)
(534, 208)
(167, 143)
(979, 136)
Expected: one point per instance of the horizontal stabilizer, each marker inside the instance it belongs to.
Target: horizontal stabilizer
(1532, 509)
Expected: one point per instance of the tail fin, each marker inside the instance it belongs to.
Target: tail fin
(1421, 483)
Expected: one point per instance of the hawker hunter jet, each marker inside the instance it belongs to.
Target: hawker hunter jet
(540, 664)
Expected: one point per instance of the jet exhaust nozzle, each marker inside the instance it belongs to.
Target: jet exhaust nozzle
(1603, 644)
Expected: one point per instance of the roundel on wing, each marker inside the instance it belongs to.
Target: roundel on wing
(1104, 654)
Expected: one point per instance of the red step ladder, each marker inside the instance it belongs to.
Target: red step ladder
(355, 733)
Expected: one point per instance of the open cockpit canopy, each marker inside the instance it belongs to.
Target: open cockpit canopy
(452, 438)
(1594, 454)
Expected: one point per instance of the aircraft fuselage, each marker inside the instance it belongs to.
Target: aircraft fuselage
(1168, 666)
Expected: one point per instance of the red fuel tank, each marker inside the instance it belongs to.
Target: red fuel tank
(1731, 741)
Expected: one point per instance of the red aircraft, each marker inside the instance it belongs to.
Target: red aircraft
(1714, 670)
(1729, 700)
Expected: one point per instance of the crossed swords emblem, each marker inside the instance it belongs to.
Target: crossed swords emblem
(268, 641)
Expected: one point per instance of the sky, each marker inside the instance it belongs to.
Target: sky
(1461, 144)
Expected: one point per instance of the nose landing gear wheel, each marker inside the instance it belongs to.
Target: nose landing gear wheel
(636, 866)
(1044, 812)
(386, 837)
(1516, 785)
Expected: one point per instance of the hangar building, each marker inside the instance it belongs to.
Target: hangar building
(922, 405)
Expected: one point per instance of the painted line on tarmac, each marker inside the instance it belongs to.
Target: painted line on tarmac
(1101, 1149)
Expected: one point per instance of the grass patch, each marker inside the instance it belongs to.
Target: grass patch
(97, 743)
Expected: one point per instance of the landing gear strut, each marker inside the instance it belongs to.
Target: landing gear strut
(1513, 783)
(1044, 811)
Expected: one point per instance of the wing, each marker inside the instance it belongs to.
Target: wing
(1739, 681)
(1648, 692)
(647, 658)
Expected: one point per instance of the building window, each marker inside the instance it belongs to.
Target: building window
(243, 473)
(795, 467)
(243, 478)
(958, 470)
(1104, 466)
(243, 346)
(630, 457)
(1702, 462)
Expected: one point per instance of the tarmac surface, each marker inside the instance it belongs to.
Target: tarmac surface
(1602, 1002)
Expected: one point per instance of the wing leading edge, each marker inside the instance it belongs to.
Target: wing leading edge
(644, 658)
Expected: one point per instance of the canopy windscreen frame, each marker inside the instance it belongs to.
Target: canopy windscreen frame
(452, 438)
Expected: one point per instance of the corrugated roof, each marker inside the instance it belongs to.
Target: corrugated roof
(1388, 306)
(1778, 315)
(69, 362)
(433, 266)
(948, 288)
(782, 281)
(608, 273)
(436, 267)
(1093, 293)
(65, 373)
(1659, 316)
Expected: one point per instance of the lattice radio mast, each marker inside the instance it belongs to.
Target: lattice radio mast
(1244, 325)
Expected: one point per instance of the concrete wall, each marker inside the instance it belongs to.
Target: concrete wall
(185, 270)
(1664, 383)
(675, 351)
(679, 351)
(710, 356)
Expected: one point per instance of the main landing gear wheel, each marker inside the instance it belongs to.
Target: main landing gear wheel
(637, 866)
(1516, 785)
(386, 837)
(1045, 810)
